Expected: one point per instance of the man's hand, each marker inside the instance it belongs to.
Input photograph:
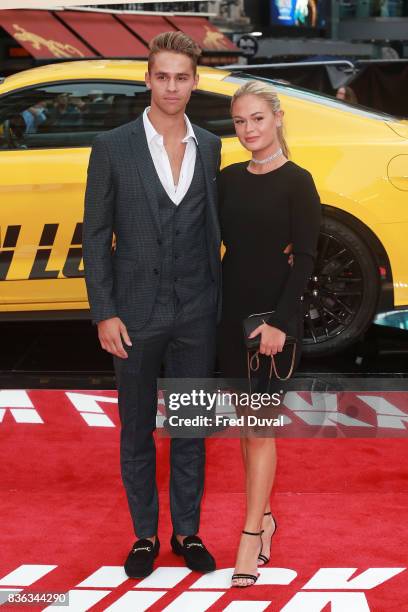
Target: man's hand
(272, 339)
(110, 333)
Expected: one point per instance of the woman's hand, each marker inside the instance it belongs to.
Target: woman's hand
(272, 339)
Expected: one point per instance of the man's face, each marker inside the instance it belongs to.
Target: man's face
(171, 80)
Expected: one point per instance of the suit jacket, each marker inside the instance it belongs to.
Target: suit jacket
(121, 199)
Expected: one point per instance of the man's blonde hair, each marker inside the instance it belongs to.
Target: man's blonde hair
(177, 42)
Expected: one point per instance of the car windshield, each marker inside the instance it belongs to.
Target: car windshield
(313, 96)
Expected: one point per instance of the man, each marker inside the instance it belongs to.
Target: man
(151, 183)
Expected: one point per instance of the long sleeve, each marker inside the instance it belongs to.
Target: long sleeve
(98, 234)
(305, 227)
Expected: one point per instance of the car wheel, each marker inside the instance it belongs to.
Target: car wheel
(341, 298)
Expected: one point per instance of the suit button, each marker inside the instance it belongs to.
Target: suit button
(176, 257)
(159, 241)
(175, 279)
(155, 270)
(177, 232)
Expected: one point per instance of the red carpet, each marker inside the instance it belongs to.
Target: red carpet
(341, 506)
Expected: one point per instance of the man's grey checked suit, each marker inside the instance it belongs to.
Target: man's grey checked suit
(163, 281)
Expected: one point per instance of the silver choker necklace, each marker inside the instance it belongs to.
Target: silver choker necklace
(267, 159)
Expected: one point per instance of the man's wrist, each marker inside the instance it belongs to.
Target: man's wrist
(105, 318)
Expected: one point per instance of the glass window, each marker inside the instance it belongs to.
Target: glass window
(212, 112)
(71, 114)
(312, 96)
(67, 114)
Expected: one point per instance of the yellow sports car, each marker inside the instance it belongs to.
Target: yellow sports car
(359, 160)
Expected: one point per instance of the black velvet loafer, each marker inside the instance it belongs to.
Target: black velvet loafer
(195, 554)
(139, 563)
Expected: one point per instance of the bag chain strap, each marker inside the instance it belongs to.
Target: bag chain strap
(254, 368)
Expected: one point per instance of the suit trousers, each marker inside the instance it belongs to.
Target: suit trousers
(185, 347)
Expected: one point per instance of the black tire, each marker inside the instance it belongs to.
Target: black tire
(342, 295)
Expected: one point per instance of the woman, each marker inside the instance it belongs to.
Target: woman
(346, 94)
(268, 208)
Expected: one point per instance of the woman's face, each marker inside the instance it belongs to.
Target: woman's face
(255, 123)
(341, 93)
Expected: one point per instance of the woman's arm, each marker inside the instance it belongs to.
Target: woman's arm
(305, 227)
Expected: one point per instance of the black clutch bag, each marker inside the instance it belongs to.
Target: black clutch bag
(249, 324)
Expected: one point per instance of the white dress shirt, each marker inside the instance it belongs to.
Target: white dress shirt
(161, 160)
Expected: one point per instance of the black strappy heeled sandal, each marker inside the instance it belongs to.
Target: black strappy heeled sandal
(262, 557)
(248, 576)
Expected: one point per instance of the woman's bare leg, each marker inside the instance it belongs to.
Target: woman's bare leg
(268, 527)
(260, 465)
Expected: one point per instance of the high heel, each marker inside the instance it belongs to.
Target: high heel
(248, 576)
(262, 557)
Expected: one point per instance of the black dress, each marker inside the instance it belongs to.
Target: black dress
(260, 215)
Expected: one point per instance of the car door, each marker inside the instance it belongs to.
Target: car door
(46, 132)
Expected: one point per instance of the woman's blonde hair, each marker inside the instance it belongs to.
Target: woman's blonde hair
(270, 95)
